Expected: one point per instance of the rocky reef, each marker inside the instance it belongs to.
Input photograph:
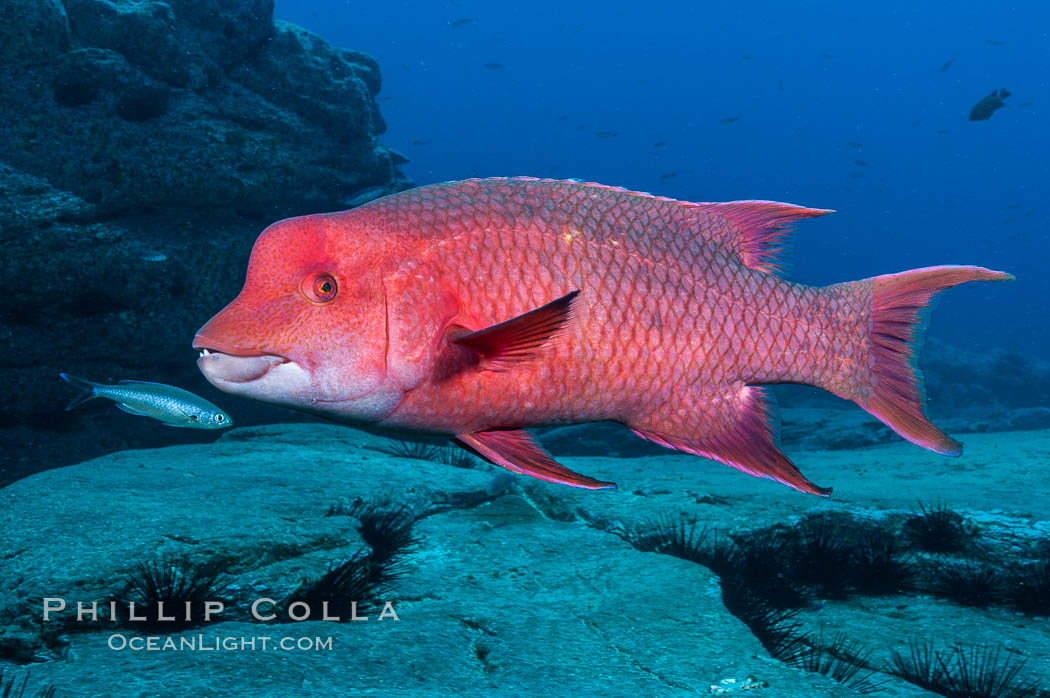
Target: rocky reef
(143, 146)
(207, 106)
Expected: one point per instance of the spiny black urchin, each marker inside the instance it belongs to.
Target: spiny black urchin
(388, 529)
(968, 583)
(1028, 587)
(939, 530)
(979, 671)
(169, 593)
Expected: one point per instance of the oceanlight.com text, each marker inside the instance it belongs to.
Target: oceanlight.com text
(230, 643)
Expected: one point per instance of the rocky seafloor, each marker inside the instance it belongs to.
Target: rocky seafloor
(510, 586)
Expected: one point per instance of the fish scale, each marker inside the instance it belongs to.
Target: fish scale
(152, 400)
(512, 303)
(729, 324)
(690, 316)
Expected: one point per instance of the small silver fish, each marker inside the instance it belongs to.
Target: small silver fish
(173, 406)
(365, 195)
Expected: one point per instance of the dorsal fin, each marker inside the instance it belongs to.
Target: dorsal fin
(760, 229)
(755, 232)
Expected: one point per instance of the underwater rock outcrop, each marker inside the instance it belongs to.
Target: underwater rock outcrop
(195, 105)
(144, 145)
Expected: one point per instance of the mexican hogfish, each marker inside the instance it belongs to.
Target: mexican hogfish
(477, 308)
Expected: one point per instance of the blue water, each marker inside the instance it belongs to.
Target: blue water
(805, 81)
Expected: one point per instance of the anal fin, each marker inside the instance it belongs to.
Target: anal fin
(124, 408)
(518, 452)
(748, 443)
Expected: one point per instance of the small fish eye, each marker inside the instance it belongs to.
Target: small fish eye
(320, 287)
(194, 418)
(220, 418)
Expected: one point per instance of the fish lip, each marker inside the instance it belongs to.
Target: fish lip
(248, 365)
(214, 346)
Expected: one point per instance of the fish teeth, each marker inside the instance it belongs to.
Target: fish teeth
(204, 352)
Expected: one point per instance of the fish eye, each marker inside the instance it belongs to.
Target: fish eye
(194, 418)
(220, 418)
(320, 287)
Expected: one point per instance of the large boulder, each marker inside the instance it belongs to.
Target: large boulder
(32, 29)
(192, 105)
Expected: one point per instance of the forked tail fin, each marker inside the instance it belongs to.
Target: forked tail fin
(895, 392)
(87, 386)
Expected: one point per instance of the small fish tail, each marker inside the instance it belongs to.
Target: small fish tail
(87, 386)
(892, 388)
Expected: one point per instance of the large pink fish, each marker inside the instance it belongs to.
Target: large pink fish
(480, 307)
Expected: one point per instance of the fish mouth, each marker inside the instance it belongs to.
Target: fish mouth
(224, 363)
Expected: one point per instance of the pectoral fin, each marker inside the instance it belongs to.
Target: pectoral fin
(516, 451)
(518, 339)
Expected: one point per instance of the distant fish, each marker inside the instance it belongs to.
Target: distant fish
(173, 406)
(860, 163)
(728, 119)
(363, 196)
(668, 175)
(1025, 105)
(828, 56)
(995, 42)
(606, 134)
(746, 57)
(780, 85)
(944, 131)
(495, 66)
(502, 482)
(462, 22)
(984, 109)
(659, 144)
(947, 64)
(420, 141)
